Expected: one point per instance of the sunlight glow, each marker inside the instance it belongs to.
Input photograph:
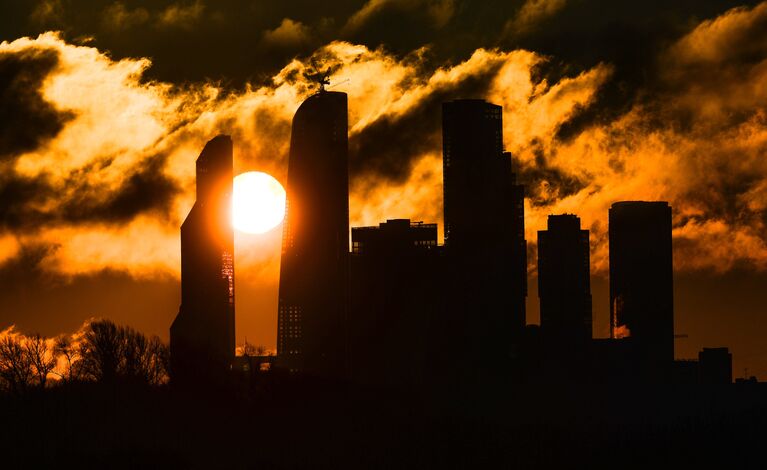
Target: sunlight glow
(258, 202)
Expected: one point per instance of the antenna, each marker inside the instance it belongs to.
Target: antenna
(339, 83)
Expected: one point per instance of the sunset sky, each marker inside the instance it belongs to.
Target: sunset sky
(105, 105)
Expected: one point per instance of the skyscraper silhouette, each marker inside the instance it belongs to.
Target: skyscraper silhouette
(396, 316)
(715, 366)
(484, 230)
(202, 335)
(564, 286)
(641, 281)
(314, 272)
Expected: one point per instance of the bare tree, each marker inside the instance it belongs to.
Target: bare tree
(65, 348)
(41, 358)
(134, 354)
(16, 370)
(144, 359)
(101, 350)
(159, 363)
(108, 352)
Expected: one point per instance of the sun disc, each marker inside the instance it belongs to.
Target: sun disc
(258, 202)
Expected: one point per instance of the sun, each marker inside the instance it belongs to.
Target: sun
(258, 202)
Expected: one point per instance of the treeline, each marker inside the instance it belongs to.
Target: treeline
(100, 351)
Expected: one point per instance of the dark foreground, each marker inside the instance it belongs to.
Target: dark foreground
(304, 424)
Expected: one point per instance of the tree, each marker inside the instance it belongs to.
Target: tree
(108, 352)
(101, 351)
(41, 358)
(16, 370)
(160, 364)
(144, 359)
(64, 347)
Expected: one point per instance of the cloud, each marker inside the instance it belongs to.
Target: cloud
(531, 14)
(108, 187)
(9, 248)
(439, 12)
(48, 12)
(181, 16)
(288, 33)
(120, 174)
(28, 119)
(736, 35)
(25, 265)
(117, 17)
(57, 171)
(695, 136)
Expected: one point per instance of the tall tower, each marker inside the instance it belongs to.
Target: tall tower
(202, 335)
(564, 285)
(641, 280)
(484, 228)
(314, 272)
(396, 316)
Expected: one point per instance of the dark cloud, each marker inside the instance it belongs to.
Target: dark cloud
(27, 268)
(388, 147)
(16, 195)
(31, 203)
(148, 189)
(544, 183)
(189, 40)
(627, 35)
(27, 119)
(227, 43)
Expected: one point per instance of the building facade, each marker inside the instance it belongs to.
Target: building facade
(564, 285)
(484, 232)
(202, 338)
(395, 320)
(314, 271)
(641, 281)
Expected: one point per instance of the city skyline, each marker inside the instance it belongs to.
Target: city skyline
(390, 311)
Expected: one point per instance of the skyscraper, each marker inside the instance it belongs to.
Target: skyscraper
(715, 366)
(484, 229)
(564, 285)
(202, 335)
(396, 323)
(314, 272)
(641, 281)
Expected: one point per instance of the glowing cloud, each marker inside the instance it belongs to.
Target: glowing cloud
(108, 183)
